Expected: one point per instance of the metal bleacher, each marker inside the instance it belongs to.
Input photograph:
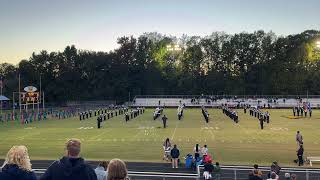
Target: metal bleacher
(174, 101)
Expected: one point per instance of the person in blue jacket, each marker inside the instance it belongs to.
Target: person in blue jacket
(17, 165)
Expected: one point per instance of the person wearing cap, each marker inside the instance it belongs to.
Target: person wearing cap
(71, 166)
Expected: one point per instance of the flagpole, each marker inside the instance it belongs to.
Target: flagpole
(20, 98)
(39, 98)
(1, 93)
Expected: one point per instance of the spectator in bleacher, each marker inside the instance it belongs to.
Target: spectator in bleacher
(208, 169)
(117, 170)
(287, 176)
(275, 168)
(256, 167)
(273, 176)
(167, 149)
(293, 177)
(71, 166)
(204, 150)
(101, 170)
(175, 153)
(196, 151)
(17, 165)
(254, 175)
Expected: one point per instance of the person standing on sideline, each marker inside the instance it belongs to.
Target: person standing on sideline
(204, 150)
(70, 166)
(101, 170)
(167, 149)
(299, 138)
(164, 121)
(300, 155)
(175, 153)
(196, 151)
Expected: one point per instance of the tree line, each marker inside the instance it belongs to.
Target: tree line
(258, 63)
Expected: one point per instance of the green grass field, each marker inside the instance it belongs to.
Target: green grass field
(141, 138)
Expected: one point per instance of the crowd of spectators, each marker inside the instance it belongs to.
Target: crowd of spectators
(17, 166)
(71, 166)
(273, 174)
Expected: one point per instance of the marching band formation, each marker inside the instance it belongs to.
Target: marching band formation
(133, 113)
(205, 114)
(259, 114)
(232, 114)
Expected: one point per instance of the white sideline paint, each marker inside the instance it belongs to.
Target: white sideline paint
(147, 174)
(85, 127)
(174, 132)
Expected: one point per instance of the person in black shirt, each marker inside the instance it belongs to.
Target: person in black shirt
(164, 121)
(208, 169)
(294, 111)
(300, 155)
(261, 122)
(99, 119)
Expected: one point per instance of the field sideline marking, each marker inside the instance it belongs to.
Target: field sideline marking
(174, 132)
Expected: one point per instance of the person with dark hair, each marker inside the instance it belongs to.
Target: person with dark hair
(204, 150)
(256, 168)
(294, 111)
(300, 155)
(99, 120)
(71, 166)
(175, 153)
(164, 121)
(208, 169)
(196, 151)
(261, 122)
(299, 138)
(273, 175)
(217, 171)
(167, 149)
(101, 170)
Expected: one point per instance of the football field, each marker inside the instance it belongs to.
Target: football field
(141, 138)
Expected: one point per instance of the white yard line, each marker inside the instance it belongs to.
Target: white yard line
(174, 132)
(212, 134)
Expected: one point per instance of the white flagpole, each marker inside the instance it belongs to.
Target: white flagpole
(20, 97)
(39, 98)
(1, 93)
